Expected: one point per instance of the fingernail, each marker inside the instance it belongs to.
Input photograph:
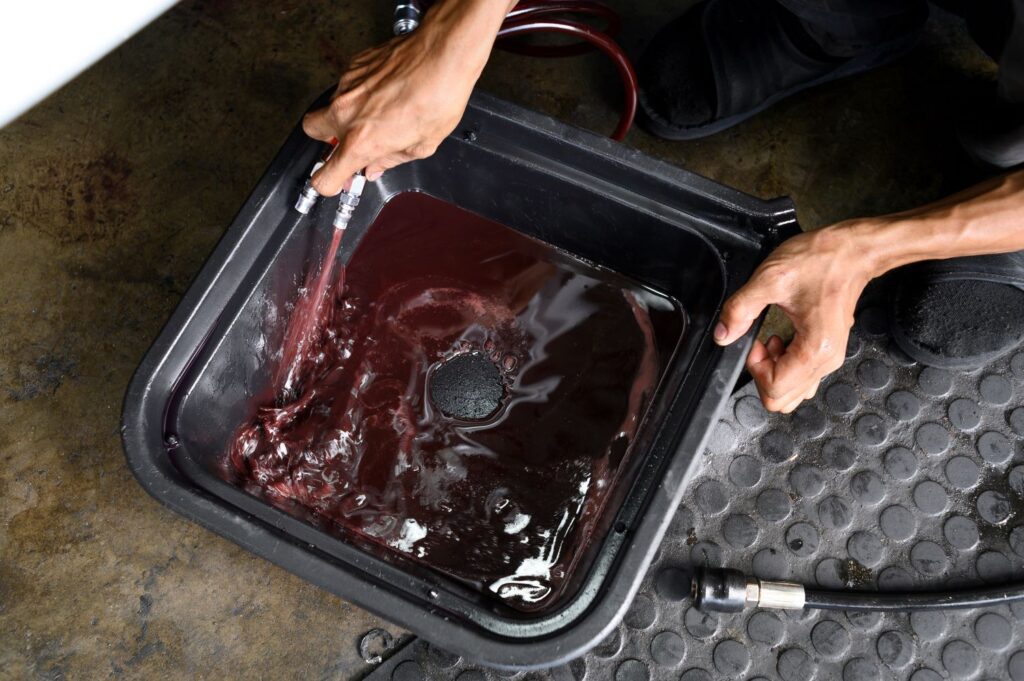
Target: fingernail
(373, 177)
(720, 332)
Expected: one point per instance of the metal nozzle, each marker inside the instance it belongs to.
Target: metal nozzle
(725, 590)
(407, 17)
(308, 196)
(347, 201)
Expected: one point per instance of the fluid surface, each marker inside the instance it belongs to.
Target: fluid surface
(506, 499)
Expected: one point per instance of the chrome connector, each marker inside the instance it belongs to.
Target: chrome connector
(725, 590)
(780, 595)
(407, 17)
(308, 196)
(348, 200)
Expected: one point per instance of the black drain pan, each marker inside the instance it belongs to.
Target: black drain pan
(676, 232)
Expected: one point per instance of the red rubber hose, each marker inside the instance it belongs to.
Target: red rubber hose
(531, 9)
(535, 16)
(524, 25)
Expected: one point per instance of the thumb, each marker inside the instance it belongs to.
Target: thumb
(334, 175)
(740, 311)
(317, 124)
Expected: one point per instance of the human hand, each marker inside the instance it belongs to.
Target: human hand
(816, 279)
(398, 101)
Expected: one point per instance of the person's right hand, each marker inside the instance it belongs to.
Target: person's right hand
(816, 279)
(398, 101)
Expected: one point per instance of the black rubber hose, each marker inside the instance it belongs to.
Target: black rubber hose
(726, 590)
(863, 601)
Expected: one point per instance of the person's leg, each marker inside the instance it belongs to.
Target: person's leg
(725, 60)
(993, 130)
(966, 312)
(1011, 64)
(844, 28)
(988, 22)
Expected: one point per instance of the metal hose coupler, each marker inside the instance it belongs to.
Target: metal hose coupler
(308, 196)
(407, 17)
(348, 200)
(725, 590)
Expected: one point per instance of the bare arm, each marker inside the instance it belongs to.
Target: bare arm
(398, 101)
(987, 218)
(816, 279)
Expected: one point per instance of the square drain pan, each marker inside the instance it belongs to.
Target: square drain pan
(678, 233)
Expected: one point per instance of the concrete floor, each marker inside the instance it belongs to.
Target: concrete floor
(114, 190)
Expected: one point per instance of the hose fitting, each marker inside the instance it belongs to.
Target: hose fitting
(727, 590)
(308, 196)
(407, 17)
(348, 200)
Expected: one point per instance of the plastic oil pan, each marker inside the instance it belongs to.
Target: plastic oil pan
(673, 233)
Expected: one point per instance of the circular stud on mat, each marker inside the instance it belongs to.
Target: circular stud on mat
(897, 477)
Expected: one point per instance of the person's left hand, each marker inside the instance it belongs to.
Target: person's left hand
(816, 279)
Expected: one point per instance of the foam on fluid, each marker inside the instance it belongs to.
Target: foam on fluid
(505, 502)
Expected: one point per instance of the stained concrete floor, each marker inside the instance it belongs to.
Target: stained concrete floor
(114, 190)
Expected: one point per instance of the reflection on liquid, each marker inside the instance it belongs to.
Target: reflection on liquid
(504, 503)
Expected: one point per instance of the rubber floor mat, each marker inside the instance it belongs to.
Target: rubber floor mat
(895, 476)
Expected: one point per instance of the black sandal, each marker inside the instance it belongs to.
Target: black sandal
(961, 313)
(725, 60)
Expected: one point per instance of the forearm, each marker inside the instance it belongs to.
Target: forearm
(987, 218)
(463, 31)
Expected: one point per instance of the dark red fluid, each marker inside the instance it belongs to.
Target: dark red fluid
(305, 325)
(506, 503)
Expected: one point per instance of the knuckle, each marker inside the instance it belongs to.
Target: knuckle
(337, 106)
(774, 275)
(343, 106)
(422, 149)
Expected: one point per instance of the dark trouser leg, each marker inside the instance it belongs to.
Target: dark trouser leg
(966, 312)
(843, 28)
(1011, 63)
(998, 27)
(993, 132)
(989, 22)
